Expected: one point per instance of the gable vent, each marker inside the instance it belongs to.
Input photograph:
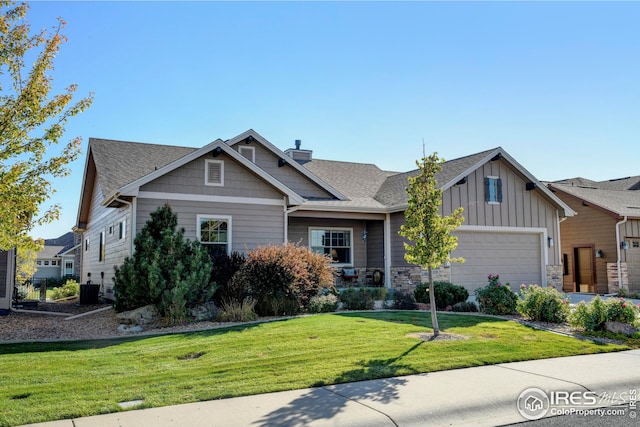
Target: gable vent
(214, 172)
(248, 153)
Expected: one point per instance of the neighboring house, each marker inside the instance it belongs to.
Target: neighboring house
(601, 245)
(7, 277)
(59, 258)
(241, 193)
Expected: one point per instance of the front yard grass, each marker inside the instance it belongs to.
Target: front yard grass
(49, 381)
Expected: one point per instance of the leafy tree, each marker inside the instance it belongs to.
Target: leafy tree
(26, 261)
(165, 270)
(31, 122)
(426, 228)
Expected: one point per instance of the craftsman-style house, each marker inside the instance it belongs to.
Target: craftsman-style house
(237, 194)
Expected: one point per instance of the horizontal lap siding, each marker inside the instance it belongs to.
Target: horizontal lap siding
(299, 233)
(252, 225)
(590, 226)
(101, 219)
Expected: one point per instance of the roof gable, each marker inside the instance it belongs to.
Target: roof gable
(618, 202)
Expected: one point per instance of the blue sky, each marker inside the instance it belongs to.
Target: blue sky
(555, 84)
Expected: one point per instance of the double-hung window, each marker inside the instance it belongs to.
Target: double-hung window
(214, 233)
(493, 189)
(334, 242)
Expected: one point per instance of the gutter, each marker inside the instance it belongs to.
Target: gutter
(618, 224)
(286, 219)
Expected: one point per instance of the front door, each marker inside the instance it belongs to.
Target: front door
(584, 269)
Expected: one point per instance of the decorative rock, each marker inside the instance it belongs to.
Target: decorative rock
(620, 328)
(139, 316)
(128, 329)
(206, 311)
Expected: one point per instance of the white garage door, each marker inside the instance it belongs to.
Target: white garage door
(633, 264)
(515, 257)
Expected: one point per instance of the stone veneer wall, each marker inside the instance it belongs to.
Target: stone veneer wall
(365, 277)
(406, 278)
(554, 277)
(612, 276)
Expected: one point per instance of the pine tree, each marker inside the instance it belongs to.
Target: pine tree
(166, 270)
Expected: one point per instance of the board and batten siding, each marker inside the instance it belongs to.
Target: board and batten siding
(104, 219)
(286, 174)
(190, 178)
(519, 208)
(252, 225)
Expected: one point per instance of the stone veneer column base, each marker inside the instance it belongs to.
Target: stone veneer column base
(612, 277)
(554, 277)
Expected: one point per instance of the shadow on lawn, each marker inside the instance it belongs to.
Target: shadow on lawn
(328, 402)
(47, 346)
(423, 318)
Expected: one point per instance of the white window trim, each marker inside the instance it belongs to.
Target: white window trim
(207, 162)
(213, 216)
(336, 264)
(64, 267)
(252, 158)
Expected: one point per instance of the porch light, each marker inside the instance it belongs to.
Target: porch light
(624, 245)
(364, 236)
(550, 241)
(599, 253)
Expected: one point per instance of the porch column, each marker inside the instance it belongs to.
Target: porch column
(387, 251)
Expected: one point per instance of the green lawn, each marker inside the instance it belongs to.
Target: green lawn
(47, 381)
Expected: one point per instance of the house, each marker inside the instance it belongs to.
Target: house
(58, 258)
(7, 277)
(600, 245)
(244, 192)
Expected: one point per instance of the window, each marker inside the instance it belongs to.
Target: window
(214, 232)
(38, 262)
(102, 245)
(46, 263)
(68, 268)
(86, 244)
(54, 263)
(110, 229)
(333, 242)
(635, 243)
(493, 189)
(214, 172)
(123, 229)
(248, 153)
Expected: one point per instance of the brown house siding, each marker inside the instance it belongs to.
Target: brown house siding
(591, 226)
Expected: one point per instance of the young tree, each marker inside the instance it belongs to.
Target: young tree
(31, 122)
(26, 262)
(429, 231)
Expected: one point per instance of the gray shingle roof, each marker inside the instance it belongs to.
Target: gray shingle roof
(628, 183)
(120, 162)
(49, 252)
(393, 193)
(621, 202)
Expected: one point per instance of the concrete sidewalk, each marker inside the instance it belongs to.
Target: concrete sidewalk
(484, 395)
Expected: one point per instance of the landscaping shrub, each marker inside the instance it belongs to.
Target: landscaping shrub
(465, 307)
(496, 298)
(235, 311)
(69, 289)
(281, 279)
(404, 300)
(165, 270)
(543, 304)
(357, 299)
(323, 304)
(223, 268)
(592, 316)
(446, 294)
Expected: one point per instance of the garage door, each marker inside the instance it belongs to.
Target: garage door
(633, 264)
(514, 256)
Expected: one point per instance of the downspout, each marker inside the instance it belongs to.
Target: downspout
(618, 224)
(286, 219)
(133, 221)
(387, 251)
